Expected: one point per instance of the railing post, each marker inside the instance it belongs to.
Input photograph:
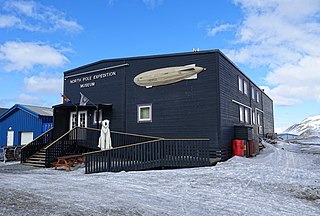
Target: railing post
(108, 154)
(47, 164)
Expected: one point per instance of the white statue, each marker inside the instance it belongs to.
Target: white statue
(105, 138)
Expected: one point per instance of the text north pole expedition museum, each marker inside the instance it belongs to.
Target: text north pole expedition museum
(90, 79)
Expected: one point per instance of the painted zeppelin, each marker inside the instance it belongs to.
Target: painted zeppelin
(165, 76)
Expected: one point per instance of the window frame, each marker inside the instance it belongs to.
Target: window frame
(245, 87)
(258, 96)
(259, 119)
(247, 115)
(73, 119)
(240, 84)
(241, 113)
(253, 93)
(139, 108)
(95, 116)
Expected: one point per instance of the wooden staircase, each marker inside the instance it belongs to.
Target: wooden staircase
(38, 159)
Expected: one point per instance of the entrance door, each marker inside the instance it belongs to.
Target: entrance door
(26, 137)
(10, 138)
(82, 119)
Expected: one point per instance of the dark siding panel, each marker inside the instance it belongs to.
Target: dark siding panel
(106, 90)
(229, 90)
(268, 120)
(60, 122)
(187, 109)
(229, 110)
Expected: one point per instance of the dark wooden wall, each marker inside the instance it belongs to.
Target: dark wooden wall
(229, 110)
(268, 118)
(106, 90)
(187, 109)
(200, 108)
(61, 118)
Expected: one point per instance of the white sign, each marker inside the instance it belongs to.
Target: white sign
(89, 81)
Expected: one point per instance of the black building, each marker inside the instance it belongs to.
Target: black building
(188, 95)
(207, 106)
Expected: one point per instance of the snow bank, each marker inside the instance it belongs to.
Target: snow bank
(276, 182)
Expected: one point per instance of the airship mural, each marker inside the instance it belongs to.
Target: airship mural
(168, 75)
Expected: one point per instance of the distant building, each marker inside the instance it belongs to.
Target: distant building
(22, 123)
(287, 136)
(2, 110)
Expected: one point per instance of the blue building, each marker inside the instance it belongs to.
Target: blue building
(22, 123)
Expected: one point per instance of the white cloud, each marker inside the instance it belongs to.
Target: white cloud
(9, 21)
(22, 56)
(278, 98)
(22, 99)
(284, 36)
(220, 28)
(33, 16)
(152, 3)
(149, 3)
(44, 83)
(28, 99)
(280, 129)
(111, 2)
(296, 82)
(26, 7)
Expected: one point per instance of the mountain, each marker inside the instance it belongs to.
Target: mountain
(307, 128)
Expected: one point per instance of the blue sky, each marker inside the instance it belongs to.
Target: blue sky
(276, 43)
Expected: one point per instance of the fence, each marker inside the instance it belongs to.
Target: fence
(130, 151)
(81, 139)
(64, 145)
(169, 153)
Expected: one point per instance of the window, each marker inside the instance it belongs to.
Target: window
(145, 113)
(82, 119)
(253, 117)
(240, 83)
(73, 120)
(241, 113)
(245, 87)
(246, 115)
(259, 118)
(252, 93)
(258, 96)
(95, 117)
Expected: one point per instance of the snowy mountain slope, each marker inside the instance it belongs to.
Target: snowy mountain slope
(307, 128)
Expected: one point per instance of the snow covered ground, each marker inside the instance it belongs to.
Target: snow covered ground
(280, 181)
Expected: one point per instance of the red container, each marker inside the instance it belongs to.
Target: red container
(238, 147)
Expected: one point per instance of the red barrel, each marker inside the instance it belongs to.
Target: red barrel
(238, 147)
